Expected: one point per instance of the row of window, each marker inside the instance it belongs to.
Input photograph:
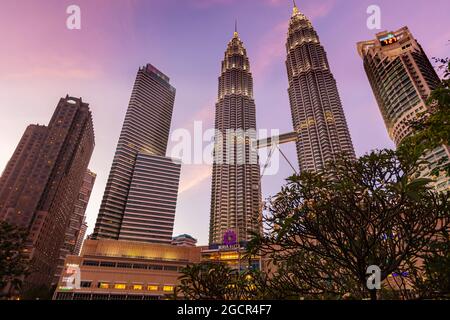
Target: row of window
(89, 296)
(125, 286)
(123, 265)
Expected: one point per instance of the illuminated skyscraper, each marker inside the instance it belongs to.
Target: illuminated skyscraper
(316, 108)
(402, 78)
(140, 196)
(152, 199)
(235, 194)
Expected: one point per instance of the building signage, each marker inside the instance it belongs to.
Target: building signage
(387, 40)
(71, 278)
(229, 238)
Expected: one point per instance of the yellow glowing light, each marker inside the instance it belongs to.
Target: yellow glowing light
(230, 256)
(137, 287)
(168, 288)
(104, 285)
(120, 286)
(152, 288)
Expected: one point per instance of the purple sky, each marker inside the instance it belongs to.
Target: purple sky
(41, 60)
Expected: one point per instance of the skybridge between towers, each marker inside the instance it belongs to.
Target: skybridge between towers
(273, 143)
(277, 140)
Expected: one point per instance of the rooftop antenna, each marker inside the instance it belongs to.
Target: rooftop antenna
(295, 10)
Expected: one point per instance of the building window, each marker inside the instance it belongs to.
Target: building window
(120, 286)
(107, 264)
(90, 263)
(103, 285)
(170, 268)
(137, 287)
(124, 265)
(85, 284)
(155, 267)
(168, 288)
(152, 288)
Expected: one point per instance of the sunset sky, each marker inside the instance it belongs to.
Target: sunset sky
(41, 61)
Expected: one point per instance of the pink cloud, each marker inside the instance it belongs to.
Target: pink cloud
(210, 3)
(272, 45)
(206, 113)
(48, 72)
(316, 10)
(440, 46)
(271, 48)
(194, 176)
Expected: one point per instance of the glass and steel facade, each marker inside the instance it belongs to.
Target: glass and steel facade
(150, 210)
(317, 113)
(143, 139)
(235, 192)
(402, 78)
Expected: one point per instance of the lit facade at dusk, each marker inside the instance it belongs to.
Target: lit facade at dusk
(304, 156)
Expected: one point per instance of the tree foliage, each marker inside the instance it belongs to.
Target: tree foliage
(13, 263)
(217, 281)
(432, 128)
(323, 230)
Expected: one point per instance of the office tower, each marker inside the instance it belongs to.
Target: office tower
(402, 78)
(235, 194)
(76, 228)
(152, 198)
(40, 184)
(316, 108)
(139, 200)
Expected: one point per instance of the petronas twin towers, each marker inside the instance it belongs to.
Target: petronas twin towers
(318, 120)
(235, 196)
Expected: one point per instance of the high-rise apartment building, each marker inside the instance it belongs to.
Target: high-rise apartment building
(41, 182)
(80, 238)
(317, 113)
(141, 192)
(76, 230)
(236, 196)
(402, 78)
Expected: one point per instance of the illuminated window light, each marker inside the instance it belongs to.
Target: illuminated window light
(229, 257)
(168, 288)
(120, 286)
(137, 287)
(152, 288)
(103, 285)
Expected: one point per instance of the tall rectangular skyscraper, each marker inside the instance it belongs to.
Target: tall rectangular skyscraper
(150, 210)
(130, 209)
(317, 113)
(402, 78)
(40, 184)
(235, 192)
